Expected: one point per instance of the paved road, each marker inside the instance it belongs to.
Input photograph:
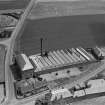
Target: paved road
(10, 96)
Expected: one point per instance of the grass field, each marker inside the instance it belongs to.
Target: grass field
(2, 63)
(63, 32)
(13, 4)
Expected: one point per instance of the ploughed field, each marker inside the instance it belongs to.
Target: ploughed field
(63, 32)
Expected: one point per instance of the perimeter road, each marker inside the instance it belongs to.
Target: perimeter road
(11, 43)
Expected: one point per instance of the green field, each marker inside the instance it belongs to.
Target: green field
(2, 63)
(13, 4)
(63, 32)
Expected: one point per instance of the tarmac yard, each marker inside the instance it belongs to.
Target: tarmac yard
(63, 32)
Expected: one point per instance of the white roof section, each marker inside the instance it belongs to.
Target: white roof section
(60, 92)
(97, 83)
(24, 62)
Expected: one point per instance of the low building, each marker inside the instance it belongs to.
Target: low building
(25, 66)
(57, 94)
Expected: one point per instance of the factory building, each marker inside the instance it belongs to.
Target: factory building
(25, 66)
(56, 61)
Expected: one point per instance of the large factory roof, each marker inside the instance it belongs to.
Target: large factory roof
(23, 62)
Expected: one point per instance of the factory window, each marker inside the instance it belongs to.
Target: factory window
(56, 74)
(68, 71)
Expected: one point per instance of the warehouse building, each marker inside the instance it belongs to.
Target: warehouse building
(25, 66)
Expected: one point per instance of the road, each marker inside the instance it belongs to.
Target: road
(10, 43)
